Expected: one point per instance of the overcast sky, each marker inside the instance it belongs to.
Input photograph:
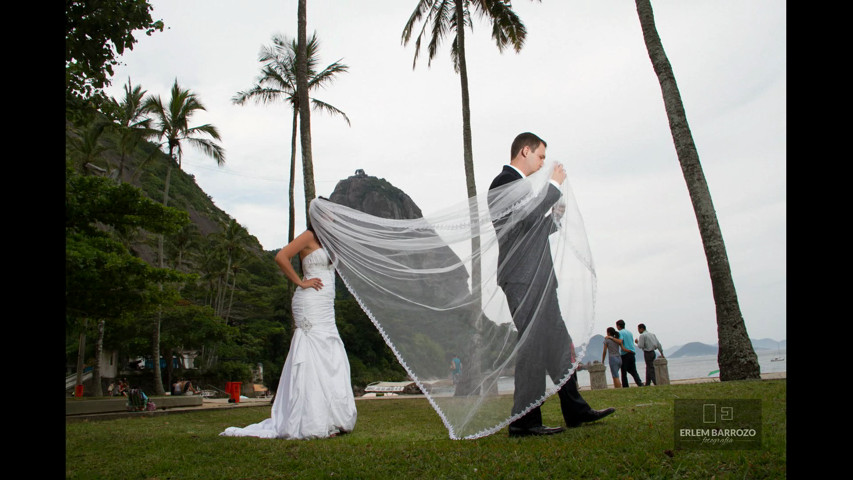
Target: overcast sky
(583, 82)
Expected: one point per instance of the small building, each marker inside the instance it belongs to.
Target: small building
(405, 388)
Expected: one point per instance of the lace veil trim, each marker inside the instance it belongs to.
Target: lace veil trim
(430, 286)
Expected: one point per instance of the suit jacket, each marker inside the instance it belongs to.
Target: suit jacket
(524, 254)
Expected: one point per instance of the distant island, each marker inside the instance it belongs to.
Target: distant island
(695, 349)
(692, 349)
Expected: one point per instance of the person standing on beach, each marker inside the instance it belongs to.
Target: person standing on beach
(648, 343)
(629, 358)
(611, 350)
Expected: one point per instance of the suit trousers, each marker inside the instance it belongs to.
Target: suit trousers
(649, 357)
(547, 351)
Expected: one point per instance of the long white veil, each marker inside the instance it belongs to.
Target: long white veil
(430, 285)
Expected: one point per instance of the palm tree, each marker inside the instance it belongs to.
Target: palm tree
(131, 122)
(277, 82)
(440, 18)
(212, 266)
(232, 240)
(736, 355)
(182, 246)
(86, 144)
(172, 124)
(237, 260)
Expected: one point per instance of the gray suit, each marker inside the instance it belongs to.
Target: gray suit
(526, 275)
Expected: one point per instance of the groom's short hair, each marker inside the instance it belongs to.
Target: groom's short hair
(525, 139)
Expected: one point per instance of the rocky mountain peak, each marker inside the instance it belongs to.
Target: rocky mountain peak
(374, 196)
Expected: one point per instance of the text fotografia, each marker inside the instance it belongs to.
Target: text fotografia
(718, 424)
(719, 436)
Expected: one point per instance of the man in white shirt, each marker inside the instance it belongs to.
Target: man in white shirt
(648, 343)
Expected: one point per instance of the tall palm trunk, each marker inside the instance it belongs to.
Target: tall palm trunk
(470, 378)
(220, 301)
(120, 175)
(291, 227)
(736, 357)
(231, 300)
(170, 367)
(291, 232)
(304, 106)
(155, 331)
(97, 390)
(81, 353)
(468, 152)
(155, 354)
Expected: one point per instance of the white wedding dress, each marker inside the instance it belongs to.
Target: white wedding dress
(314, 397)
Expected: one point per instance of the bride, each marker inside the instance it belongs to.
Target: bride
(314, 397)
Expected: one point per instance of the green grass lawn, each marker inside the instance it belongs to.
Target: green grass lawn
(404, 438)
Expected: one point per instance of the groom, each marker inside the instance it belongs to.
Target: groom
(526, 275)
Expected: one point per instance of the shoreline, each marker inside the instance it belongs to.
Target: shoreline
(584, 388)
(716, 379)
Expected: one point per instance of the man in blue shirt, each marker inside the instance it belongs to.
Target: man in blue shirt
(629, 358)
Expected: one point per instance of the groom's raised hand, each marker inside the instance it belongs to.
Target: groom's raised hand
(559, 174)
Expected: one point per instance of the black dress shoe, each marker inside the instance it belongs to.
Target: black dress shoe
(540, 430)
(598, 414)
(592, 416)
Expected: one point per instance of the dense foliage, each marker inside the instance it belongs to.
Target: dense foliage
(96, 32)
(102, 278)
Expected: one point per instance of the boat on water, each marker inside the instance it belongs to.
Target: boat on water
(778, 358)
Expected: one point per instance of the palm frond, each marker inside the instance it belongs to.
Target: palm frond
(154, 105)
(323, 106)
(327, 75)
(206, 129)
(423, 6)
(261, 95)
(438, 18)
(507, 28)
(209, 148)
(443, 15)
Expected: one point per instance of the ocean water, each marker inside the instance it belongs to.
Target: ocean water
(683, 368)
